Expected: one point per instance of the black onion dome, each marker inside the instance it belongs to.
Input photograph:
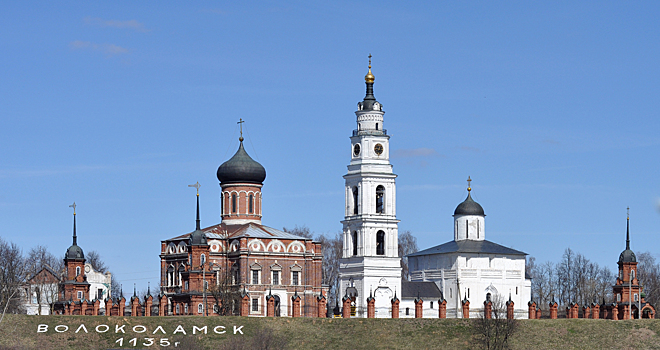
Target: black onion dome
(241, 168)
(75, 252)
(469, 207)
(627, 256)
(198, 238)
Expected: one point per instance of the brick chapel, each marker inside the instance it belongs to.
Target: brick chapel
(77, 294)
(240, 266)
(629, 298)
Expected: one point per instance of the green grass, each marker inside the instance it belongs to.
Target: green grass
(20, 332)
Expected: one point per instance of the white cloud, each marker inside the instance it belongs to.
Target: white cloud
(131, 24)
(415, 152)
(108, 49)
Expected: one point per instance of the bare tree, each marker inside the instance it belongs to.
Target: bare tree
(94, 259)
(225, 296)
(573, 279)
(332, 252)
(115, 288)
(407, 245)
(544, 283)
(300, 231)
(43, 271)
(12, 274)
(495, 330)
(648, 273)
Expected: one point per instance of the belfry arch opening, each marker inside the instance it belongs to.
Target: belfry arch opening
(355, 200)
(380, 199)
(355, 243)
(380, 243)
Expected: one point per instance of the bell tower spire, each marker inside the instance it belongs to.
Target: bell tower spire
(75, 238)
(628, 229)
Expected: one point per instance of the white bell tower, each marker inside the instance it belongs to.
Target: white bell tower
(370, 263)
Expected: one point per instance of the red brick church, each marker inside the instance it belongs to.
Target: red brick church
(239, 266)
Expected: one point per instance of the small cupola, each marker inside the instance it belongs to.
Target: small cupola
(469, 206)
(469, 219)
(369, 103)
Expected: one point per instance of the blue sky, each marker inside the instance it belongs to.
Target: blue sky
(551, 108)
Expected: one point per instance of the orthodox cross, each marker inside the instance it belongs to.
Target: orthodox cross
(240, 122)
(469, 181)
(369, 61)
(196, 185)
(74, 207)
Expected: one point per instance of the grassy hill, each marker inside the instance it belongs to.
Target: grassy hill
(21, 332)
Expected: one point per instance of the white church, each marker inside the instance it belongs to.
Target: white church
(466, 268)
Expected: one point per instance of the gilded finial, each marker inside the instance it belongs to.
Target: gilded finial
(628, 215)
(240, 122)
(369, 78)
(74, 207)
(469, 180)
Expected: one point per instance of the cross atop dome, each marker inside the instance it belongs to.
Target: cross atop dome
(369, 78)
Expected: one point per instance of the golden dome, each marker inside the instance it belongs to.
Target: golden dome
(369, 78)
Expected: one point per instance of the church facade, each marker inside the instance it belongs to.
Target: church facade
(240, 266)
(470, 269)
(451, 274)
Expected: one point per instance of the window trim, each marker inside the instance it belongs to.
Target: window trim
(273, 278)
(252, 276)
(255, 303)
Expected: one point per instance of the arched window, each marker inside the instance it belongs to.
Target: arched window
(380, 243)
(632, 274)
(376, 126)
(233, 203)
(355, 243)
(200, 308)
(170, 275)
(202, 259)
(355, 200)
(177, 309)
(251, 204)
(222, 204)
(380, 193)
(77, 270)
